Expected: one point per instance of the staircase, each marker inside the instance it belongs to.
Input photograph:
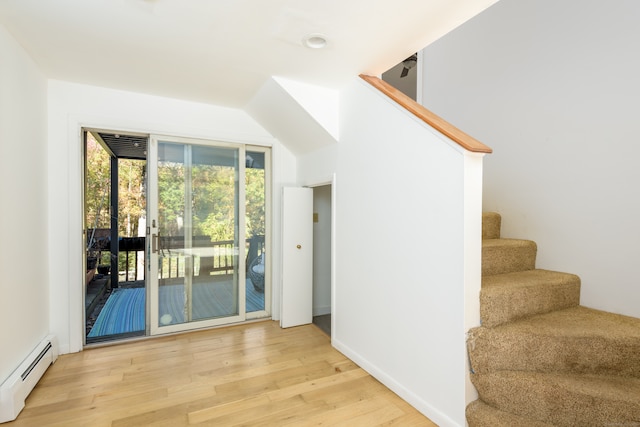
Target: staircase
(539, 358)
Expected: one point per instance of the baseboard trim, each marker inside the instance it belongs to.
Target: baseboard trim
(424, 407)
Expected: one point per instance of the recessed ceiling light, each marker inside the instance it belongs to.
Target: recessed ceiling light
(314, 41)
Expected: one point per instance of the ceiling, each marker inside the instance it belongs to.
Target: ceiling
(222, 51)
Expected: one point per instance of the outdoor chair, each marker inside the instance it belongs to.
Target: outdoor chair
(256, 272)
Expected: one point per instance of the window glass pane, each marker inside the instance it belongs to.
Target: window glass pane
(198, 225)
(255, 223)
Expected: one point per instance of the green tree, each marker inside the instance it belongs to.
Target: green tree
(213, 196)
(219, 192)
(132, 203)
(255, 202)
(97, 185)
(171, 204)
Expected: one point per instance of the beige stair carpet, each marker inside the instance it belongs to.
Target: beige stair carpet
(562, 399)
(479, 413)
(574, 340)
(540, 359)
(511, 296)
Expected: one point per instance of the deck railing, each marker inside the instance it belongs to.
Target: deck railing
(130, 248)
(208, 257)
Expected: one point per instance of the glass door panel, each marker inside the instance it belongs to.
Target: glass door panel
(256, 198)
(196, 268)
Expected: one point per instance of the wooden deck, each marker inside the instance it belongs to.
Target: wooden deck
(252, 374)
(124, 310)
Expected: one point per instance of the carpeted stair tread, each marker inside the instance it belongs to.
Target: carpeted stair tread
(501, 256)
(540, 359)
(479, 414)
(491, 223)
(577, 339)
(562, 399)
(512, 296)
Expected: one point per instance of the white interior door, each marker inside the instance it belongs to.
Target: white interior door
(297, 257)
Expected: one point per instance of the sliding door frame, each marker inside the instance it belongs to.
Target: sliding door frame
(152, 222)
(266, 312)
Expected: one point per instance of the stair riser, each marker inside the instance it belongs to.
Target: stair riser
(493, 350)
(557, 404)
(480, 414)
(540, 359)
(498, 307)
(508, 258)
(491, 223)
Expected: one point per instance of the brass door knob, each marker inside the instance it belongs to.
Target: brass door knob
(299, 246)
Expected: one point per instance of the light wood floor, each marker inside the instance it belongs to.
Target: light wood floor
(254, 374)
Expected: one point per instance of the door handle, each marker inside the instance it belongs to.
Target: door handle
(154, 243)
(299, 246)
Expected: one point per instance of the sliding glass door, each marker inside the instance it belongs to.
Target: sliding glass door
(197, 234)
(176, 234)
(257, 208)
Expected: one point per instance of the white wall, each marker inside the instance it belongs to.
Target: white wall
(279, 106)
(407, 245)
(72, 106)
(553, 88)
(24, 282)
(318, 166)
(322, 250)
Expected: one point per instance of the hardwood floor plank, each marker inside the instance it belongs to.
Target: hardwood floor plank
(202, 415)
(344, 415)
(158, 412)
(256, 414)
(293, 415)
(253, 374)
(412, 419)
(318, 385)
(374, 415)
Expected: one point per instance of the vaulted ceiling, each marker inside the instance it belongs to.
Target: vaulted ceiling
(222, 51)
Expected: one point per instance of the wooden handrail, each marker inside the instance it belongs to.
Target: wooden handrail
(436, 122)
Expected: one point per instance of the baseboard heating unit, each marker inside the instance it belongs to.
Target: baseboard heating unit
(17, 387)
